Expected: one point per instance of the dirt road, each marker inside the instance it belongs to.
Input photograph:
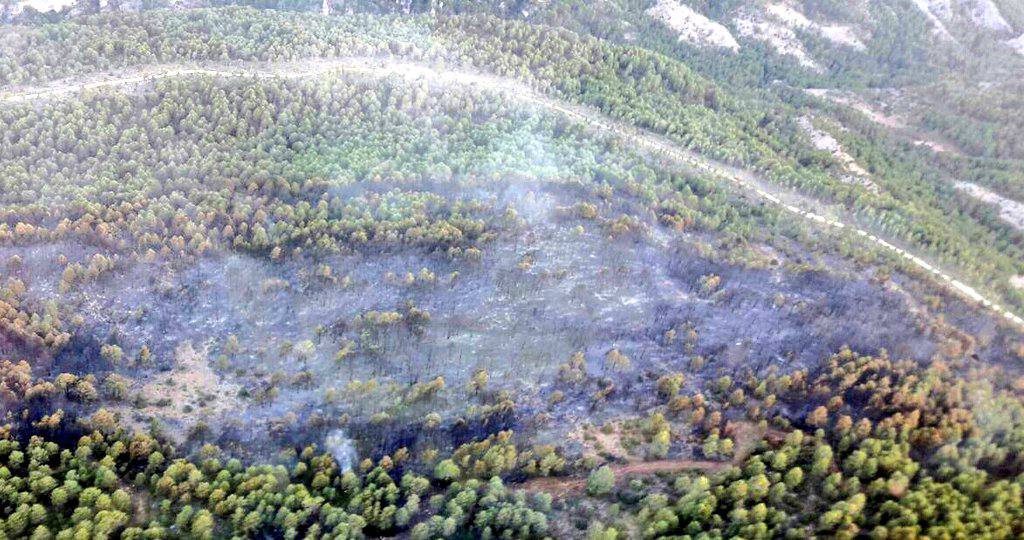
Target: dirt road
(746, 434)
(560, 487)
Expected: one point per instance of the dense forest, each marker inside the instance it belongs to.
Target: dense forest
(462, 285)
(646, 89)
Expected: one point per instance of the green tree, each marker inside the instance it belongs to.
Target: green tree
(601, 481)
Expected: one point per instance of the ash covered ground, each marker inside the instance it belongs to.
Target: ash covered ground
(250, 348)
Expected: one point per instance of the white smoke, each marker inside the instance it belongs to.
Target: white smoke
(342, 448)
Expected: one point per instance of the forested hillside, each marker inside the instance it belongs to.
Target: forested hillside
(522, 270)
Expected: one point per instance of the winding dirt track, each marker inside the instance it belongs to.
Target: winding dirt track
(561, 487)
(746, 434)
(659, 146)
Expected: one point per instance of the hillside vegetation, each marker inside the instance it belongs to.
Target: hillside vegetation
(436, 270)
